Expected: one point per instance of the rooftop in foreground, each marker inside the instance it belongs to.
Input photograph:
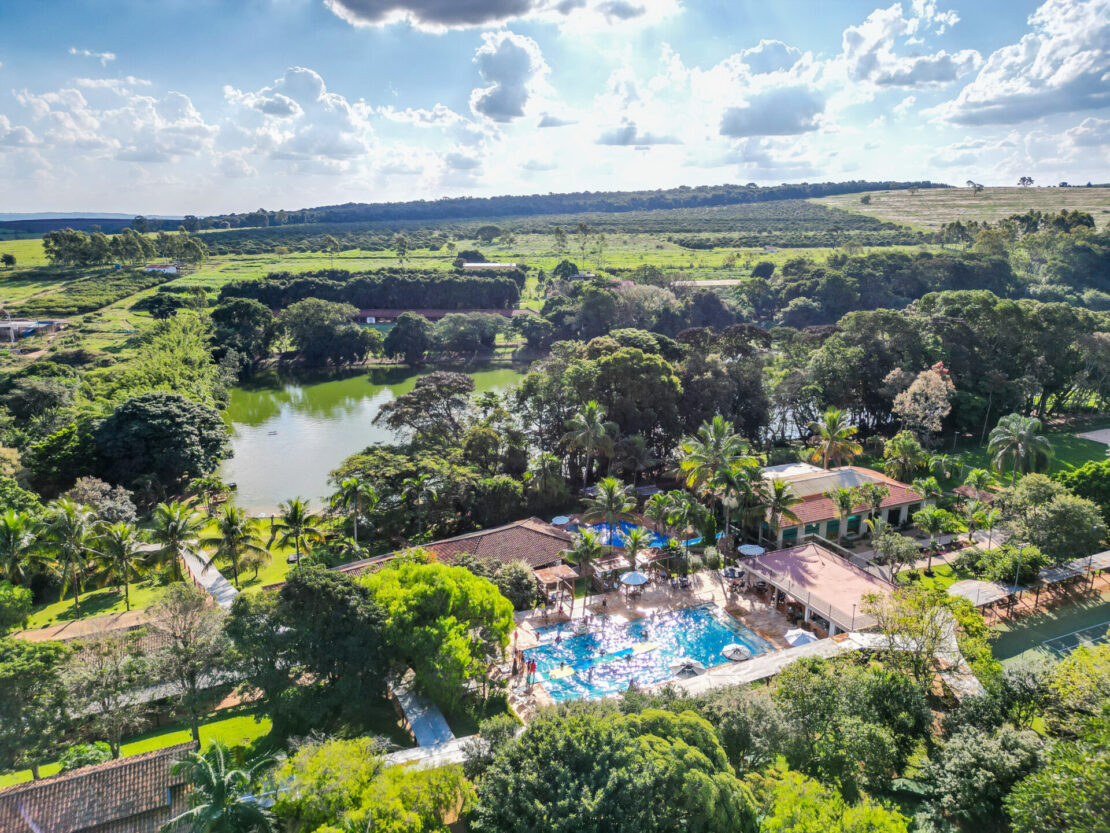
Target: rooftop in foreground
(827, 584)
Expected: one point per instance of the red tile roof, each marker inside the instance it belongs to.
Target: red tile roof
(137, 794)
(533, 541)
(819, 508)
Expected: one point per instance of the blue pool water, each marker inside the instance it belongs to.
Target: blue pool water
(616, 653)
(615, 537)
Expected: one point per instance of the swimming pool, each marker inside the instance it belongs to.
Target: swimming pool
(616, 652)
(615, 537)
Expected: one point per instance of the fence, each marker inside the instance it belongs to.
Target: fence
(851, 621)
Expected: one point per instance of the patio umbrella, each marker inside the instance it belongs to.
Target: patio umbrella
(560, 520)
(736, 652)
(751, 550)
(634, 579)
(687, 668)
(797, 637)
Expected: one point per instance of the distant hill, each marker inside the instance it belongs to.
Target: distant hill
(8, 217)
(463, 208)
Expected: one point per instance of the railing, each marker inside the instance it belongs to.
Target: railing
(852, 621)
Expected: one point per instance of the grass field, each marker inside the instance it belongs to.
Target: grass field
(931, 208)
(234, 727)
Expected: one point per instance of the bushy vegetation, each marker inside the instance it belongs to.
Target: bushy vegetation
(91, 292)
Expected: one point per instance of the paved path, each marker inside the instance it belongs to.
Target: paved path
(431, 757)
(211, 580)
(426, 721)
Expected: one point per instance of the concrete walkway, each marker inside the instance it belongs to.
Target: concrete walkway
(432, 757)
(211, 580)
(426, 721)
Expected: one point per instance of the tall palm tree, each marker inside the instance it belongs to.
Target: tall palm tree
(834, 438)
(873, 494)
(660, 508)
(636, 542)
(220, 799)
(177, 528)
(207, 488)
(714, 447)
(589, 432)
(1017, 443)
(419, 491)
(69, 535)
(844, 501)
(934, 521)
(781, 501)
(903, 456)
(545, 476)
(586, 550)
(297, 525)
(236, 535)
(612, 501)
(121, 556)
(356, 495)
(18, 546)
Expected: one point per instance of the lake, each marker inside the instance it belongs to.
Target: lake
(289, 432)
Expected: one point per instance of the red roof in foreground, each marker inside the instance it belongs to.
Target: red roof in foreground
(137, 794)
(533, 541)
(819, 508)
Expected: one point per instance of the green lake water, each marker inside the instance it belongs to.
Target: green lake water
(288, 433)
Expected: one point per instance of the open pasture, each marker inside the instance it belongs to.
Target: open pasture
(930, 209)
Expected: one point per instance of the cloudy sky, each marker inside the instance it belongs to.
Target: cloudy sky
(205, 106)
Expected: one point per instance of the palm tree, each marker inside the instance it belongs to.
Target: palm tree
(944, 465)
(206, 488)
(727, 485)
(991, 518)
(780, 502)
(903, 456)
(844, 501)
(220, 798)
(636, 542)
(611, 502)
(927, 487)
(589, 432)
(355, 494)
(714, 447)
(297, 525)
(587, 549)
(177, 528)
(18, 546)
(873, 494)
(1017, 443)
(978, 479)
(121, 556)
(236, 535)
(635, 456)
(419, 491)
(545, 475)
(834, 438)
(934, 521)
(660, 508)
(68, 533)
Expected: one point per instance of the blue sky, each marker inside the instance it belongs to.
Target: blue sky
(203, 106)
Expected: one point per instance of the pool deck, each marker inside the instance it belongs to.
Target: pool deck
(707, 586)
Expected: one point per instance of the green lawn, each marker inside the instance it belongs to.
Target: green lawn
(234, 727)
(944, 576)
(1016, 641)
(1069, 451)
(95, 603)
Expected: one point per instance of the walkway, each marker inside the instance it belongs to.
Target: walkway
(211, 580)
(426, 721)
(432, 757)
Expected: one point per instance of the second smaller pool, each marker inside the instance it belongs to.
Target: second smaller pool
(614, 537)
